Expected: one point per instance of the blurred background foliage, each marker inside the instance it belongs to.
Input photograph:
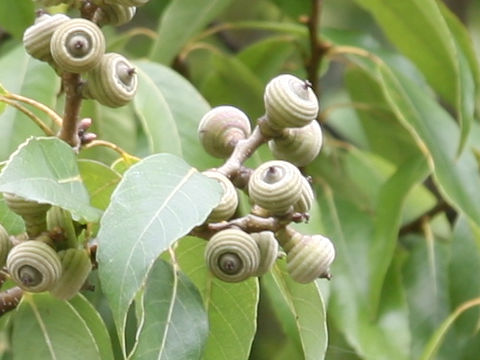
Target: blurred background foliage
(396, 180)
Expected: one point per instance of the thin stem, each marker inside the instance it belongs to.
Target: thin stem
(73, 100)
(38, 105)
(31, 115)
(125, 155)
(352, 50)
(9, 299)
(417, 224)
(317, 48)
(243, 150)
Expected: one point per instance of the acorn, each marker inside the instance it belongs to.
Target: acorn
(229, 201)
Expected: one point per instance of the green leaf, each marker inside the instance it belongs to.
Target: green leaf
(33, 79)
(230, 73)
(391, 200)
(425, 279)
(45, 170)
(95, 324)
(3, 91)
(16, 16)
(435, 130)
(55, 329)
(180, 21)
(294, 8)
(419, 31)
(231, 307)
(158, 200)
(175, 323)
(306, 303)
(170, 109)
(12, 222)
(351, 228)
(100, 181)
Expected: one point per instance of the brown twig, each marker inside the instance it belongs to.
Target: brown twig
(9, 299)
(73, 100)
(417, 224)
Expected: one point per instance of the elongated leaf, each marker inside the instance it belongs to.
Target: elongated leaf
(159, 200)
(436, 131)
(231, 307)
(306, 304)
(391, 200)
(351, 230)
(33, 79)
(45, 170)
(419, 30)
(175, 323)
(192, 17)
(170, 109)
(55, 329)
(100, 181)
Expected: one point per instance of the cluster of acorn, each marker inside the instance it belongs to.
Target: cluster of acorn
(78, 46)
(276, 188)
(50, 257)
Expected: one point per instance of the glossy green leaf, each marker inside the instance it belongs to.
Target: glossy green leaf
(418, 29)
(170, 109)
(33, 79)
(55, 329)
(391, 200)
(45, 170)
(95, 324)
(175, 324)
(100, 181)
(425, 280)
(435, 130)
(306, 303)
(231, 307)
(12, 222)
(192, 16)
(351, 229)
(157, 202)
(230, 73)
(16, 16)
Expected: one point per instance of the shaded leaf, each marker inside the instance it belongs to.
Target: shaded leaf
(392, 197)
(231, 307)
(157, 202)
(16, 16)
(100, 181)
(170, 109)
(55, 329)
(192, 17)
(33, 79)
(45, 170)
(306, 303)
(175, 323)
(435, 130)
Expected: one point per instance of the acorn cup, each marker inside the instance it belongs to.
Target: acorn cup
(275, 186)
(115, 14)
(268, 246)
(5, 245)
(308, 256)
(34, 266)
(32, 213)
(232, 255)
(221, 128)
(305, 202)
(289, 103)
(229, 201)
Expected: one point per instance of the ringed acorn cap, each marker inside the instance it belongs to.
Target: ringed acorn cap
(113, 82)
(115, 14)
(221, 128)
(34, 266)
(304, 204)
(300, 146)
(232, 255)
(275, 186)
(289, 102)
(5, 245)
(36, 38)
(77, 46)
(229, 201)
(130, 2)
(268, 246)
